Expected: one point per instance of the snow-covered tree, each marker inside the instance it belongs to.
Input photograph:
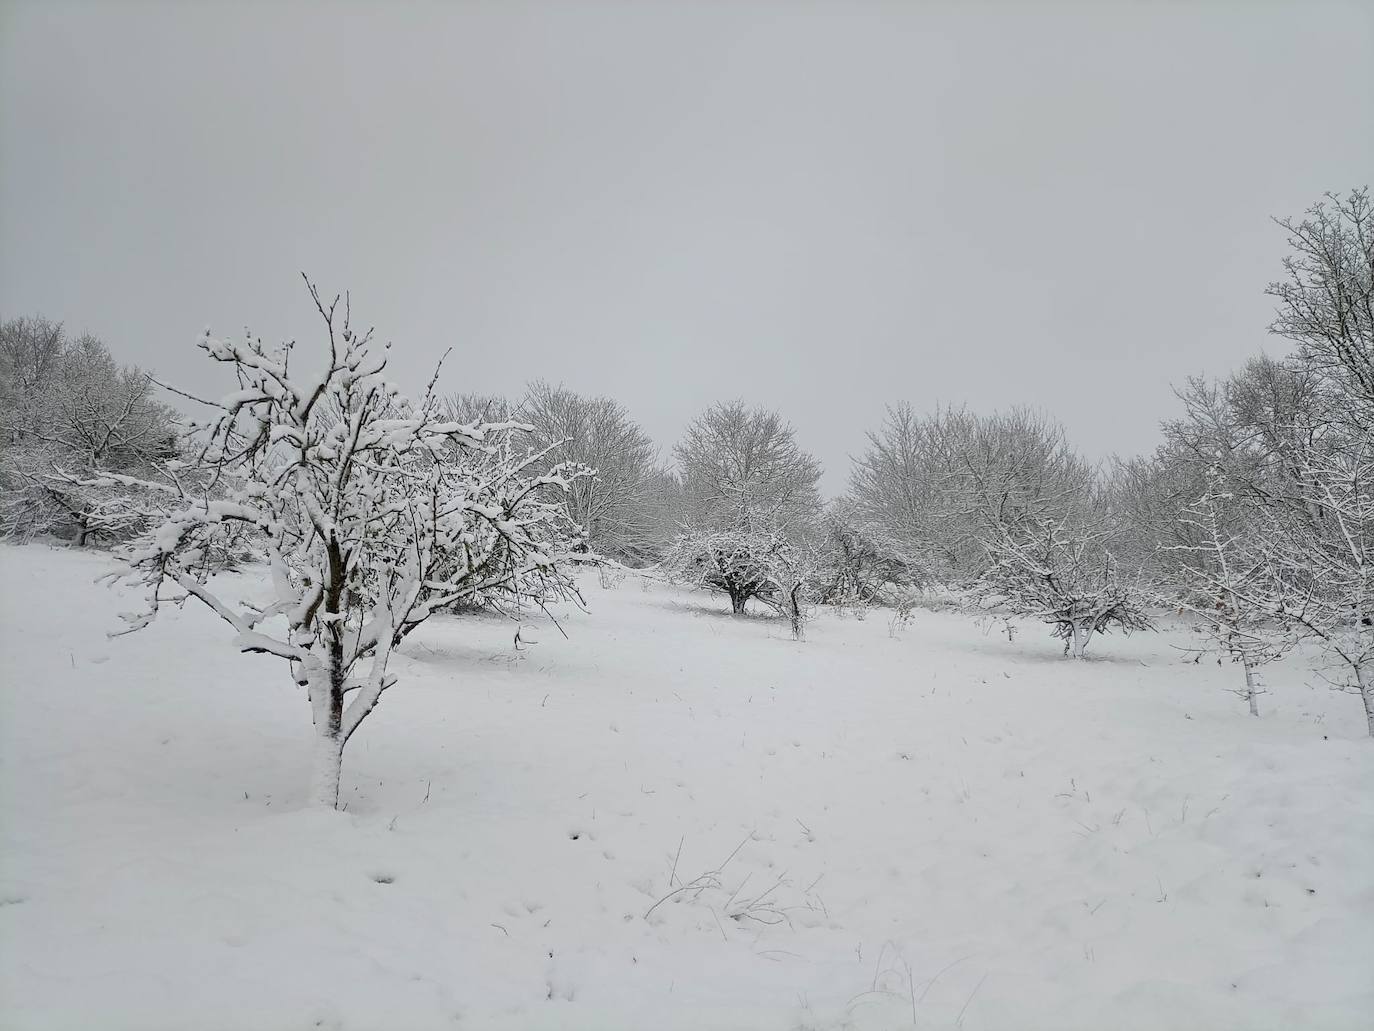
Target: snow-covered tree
(66, 406)
(626, 508)
(1326, 297)
(746, 565)
(373, 510)
(902, 484)
(742, 466)
(749, 502)
(1320, 581)
(1059, 570)
(857, 560)
(621, 506)
(939, 484)
(1224, 582)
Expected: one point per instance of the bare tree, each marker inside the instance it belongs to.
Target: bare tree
(747, 565)
(901, 482)
(1326, 296)
(938, 484)
(31, 354)
(857, 560)
(742, 467)
(749, 499)
(374, 511)
(1224, 581)
(620, 507)
(474, 407)
(70, 407)
(1320, 576)
(1059, 569)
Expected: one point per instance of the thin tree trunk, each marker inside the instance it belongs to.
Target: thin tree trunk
(1252, 686)
(1366, 679)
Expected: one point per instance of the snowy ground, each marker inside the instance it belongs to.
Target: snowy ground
(939, 830)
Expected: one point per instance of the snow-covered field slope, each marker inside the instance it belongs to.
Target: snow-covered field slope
(939, 830)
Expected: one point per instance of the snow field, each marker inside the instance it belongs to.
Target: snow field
(938, 830)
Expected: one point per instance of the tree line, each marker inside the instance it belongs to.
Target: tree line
(374, 509)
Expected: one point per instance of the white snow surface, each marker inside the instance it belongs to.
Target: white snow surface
(936, 831)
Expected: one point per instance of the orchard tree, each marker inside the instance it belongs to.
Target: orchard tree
(749, 502)
(1320, 579)
(373, 510)
(1059, 570)
(747, 565)
(1225, 583)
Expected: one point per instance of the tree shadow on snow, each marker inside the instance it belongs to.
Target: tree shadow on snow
(721, 612)
(1046, 653)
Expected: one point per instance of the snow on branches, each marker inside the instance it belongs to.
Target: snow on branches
(68, 408)
(749, 501)
(1223, 582)
(373, 510)
(1055, 571)
(1319, 567)
(745, 564)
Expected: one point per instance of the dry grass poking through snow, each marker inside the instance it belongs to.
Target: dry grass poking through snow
(672, 820)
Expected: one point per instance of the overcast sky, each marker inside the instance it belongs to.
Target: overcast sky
(818, 207)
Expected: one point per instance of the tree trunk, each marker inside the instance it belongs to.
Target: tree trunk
(737, 600)
(326, 703)
(82, 530)
(1078, 638)
(1366, 678)
(1252, 686)
(327, 769)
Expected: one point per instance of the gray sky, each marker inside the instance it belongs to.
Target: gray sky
(820, 207)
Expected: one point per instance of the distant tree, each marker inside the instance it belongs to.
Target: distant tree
(1326, 297)
(742, 466)
(901, 484)
(1054, 564)
(374, 512)
(472, 407)
(619, 507)
(626, 508)
(69, 408)
(749, 500)
(856, 560)
(939, 484)
(31, 357)
(745, 565)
